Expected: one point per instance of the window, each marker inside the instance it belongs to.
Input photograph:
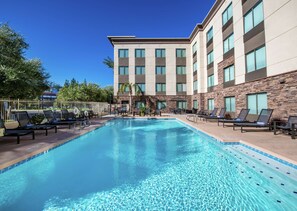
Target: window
(253, 17)
(181, 104)
(230, 104)
(209, 34)
(195, 85)
(210, 104)
(256, 59)
(195, 67)
(126, 88)
(139, 104)
(210, 81)
(194, 48)
(160, 70)
(140, 88)
(123, 53)
(229, 73)
(257, 102)
(229, 43)
(195, 104)
(123, 70)
(227, 14)
(161, 105)
(160, 53)
(160, 87)
(139, 70)
(181, 87)
(209, 57)
(139, 53)
(181, 70)
(181, 53)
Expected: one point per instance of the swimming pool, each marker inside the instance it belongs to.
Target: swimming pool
(147, 164)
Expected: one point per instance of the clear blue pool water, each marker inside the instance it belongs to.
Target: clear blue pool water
(145, 164)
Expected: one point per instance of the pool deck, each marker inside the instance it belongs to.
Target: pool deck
(281, 146)
(11, 152)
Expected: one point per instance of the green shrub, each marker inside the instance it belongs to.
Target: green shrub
(37, 118)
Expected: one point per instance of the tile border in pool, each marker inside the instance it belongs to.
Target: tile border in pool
(246, 145)
(282, 161)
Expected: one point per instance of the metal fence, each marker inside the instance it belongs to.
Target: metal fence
(8, 106)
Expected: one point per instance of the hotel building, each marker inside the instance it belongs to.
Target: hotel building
(243, 55)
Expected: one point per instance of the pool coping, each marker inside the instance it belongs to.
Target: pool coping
(272, 155)
(16, 162)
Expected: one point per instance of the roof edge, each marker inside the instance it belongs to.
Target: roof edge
(201, 26)
(133, 39)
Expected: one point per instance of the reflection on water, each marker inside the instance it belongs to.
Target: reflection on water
(123, 152)
(142, 152)
(132, 164)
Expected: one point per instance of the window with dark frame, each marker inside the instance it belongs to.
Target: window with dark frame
(256, 102)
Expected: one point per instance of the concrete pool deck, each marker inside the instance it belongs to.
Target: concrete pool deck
(281, 146)
(11, 152)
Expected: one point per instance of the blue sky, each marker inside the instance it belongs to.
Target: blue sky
(70, 36)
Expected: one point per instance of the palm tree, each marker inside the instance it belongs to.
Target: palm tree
(129, 87)
(109, 62)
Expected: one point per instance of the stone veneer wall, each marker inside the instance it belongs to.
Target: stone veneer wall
(151, 101)
(281, 92)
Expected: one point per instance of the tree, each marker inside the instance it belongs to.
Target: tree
(55, 86)
(87, 92)
(128, 87)
(19, 77)
(109, 62)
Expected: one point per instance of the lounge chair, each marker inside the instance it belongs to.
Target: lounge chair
(92, 114)
(15, 132)
(83, 118)
(49, 115)
(220, 116)
(194, 110)
(241, 118)
(66, 115)
(177, 111)
(25, 123)
(262, 122)
(290, 126)
(212, 113)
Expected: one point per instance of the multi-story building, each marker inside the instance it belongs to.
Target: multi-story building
(243, 55)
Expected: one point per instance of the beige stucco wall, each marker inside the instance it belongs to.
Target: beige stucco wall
(115, 71)
(281, 41)
(150, 82)
(239, 56)
(281, 36)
